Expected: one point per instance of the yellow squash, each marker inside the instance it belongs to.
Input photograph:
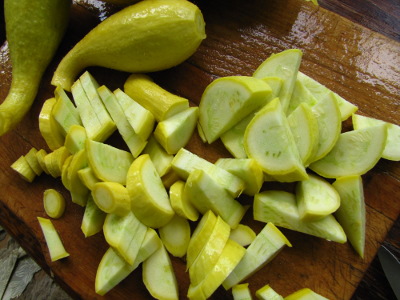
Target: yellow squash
(151, 35)
(34, 29)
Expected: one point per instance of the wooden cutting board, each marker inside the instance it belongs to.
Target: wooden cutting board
(360, 65)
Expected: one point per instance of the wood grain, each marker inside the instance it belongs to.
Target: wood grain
(359, 64)
(380, 16)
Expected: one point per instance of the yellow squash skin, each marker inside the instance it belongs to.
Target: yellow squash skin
(34, 29)
(149, 36)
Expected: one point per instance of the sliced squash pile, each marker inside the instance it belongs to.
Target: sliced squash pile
(279, 125)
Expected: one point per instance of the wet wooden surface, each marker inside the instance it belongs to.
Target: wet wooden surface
(361, 64)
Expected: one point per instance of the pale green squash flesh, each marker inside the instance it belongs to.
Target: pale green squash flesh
(54, 203)
(304, 127)
(134, 141)
(227, 100)
(280, 208)
(351, 213)
(180, 203)
(316, 198)
(285, 65)
(319, 91)
(161, 159)
(233, 138)
(355, 153)
(175, 235)
(268, 293)
(53, 241)
(75, 139)
(159, 276)
(263, 249)
(113, 268)
(64, 111)
(125, 234)
(93, 218)
(241, 292)
(175, 132)
(392, 145)
(247, 169)
(107, 162)
(327, 114)
(243, 235)
(269, 141)
(185, 162)
(141, 119)
(205, 194)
